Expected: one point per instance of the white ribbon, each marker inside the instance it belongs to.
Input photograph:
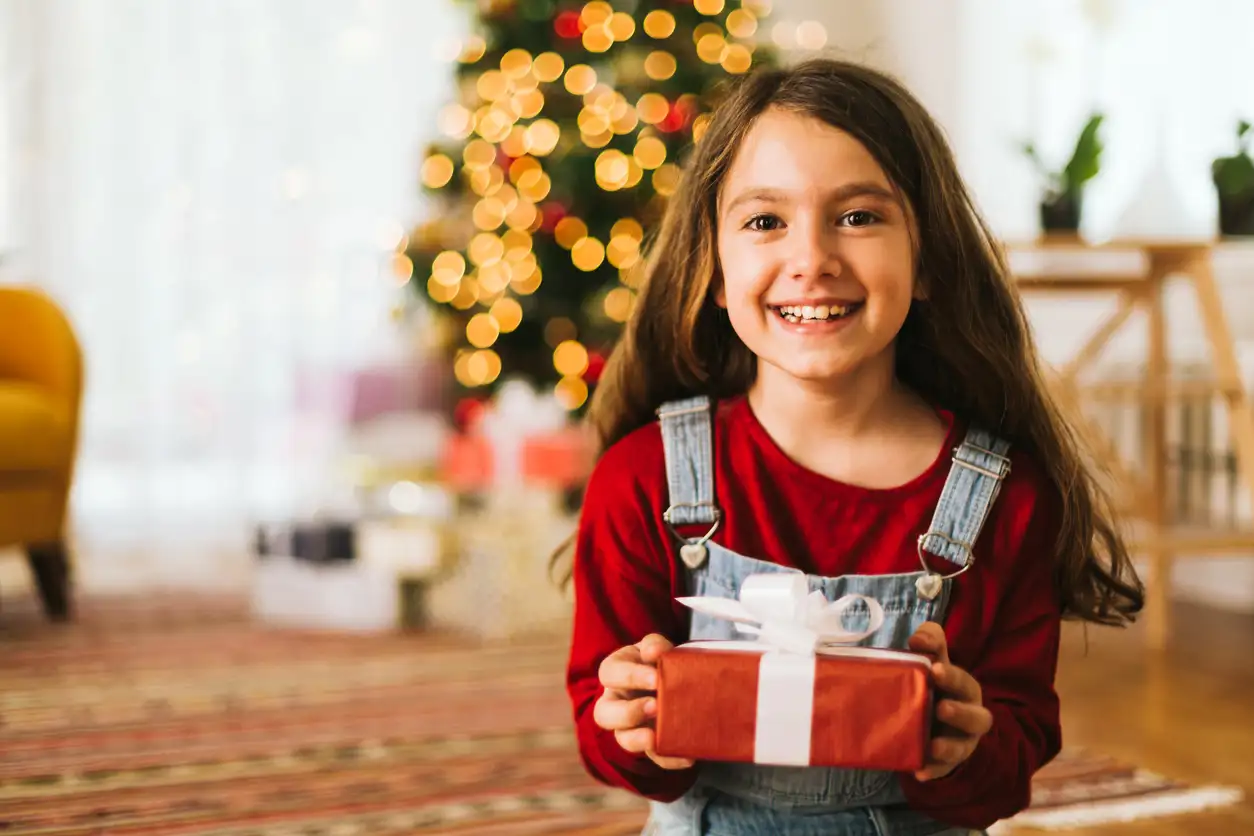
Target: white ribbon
(792, 628)
(776, 607)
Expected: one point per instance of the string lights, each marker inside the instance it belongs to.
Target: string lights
(566, 140)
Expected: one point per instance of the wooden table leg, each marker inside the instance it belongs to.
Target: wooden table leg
(1227, 369)
(1100, 444)
(1127, 305)
(1158, 588)
(1066, 389)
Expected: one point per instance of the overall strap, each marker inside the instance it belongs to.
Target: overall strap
(980, 464)
(688, 445)
(688, 441)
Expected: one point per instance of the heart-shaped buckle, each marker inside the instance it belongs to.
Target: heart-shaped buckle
(692, 551)
(693, 554)
(930, 585)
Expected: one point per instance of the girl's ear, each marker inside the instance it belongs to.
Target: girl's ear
(920, 289)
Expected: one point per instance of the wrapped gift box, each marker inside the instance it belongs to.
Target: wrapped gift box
(797, 696)
(317, 542)
(559, 459)
(404, 546)
(521, 439)
(290, 592)
(367, 575)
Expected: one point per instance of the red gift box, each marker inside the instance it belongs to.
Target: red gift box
(467, 462)
(798, 696)
(561, 459)
(558, 459)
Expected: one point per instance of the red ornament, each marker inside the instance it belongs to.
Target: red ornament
(467, 413)
(676, 119)
(568, 25)
(550, 213)
(596, 366)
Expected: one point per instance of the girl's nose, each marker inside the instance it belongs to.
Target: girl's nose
(812, 253)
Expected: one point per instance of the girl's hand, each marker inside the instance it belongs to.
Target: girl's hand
(629, 705)
(964, 719)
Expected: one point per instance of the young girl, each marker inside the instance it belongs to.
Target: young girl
(829, 371)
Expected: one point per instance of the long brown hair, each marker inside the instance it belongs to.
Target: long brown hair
(966, 347)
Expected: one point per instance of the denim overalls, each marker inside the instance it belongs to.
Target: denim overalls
(736, 799)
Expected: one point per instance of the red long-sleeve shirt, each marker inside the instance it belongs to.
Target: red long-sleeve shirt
(1002, 624)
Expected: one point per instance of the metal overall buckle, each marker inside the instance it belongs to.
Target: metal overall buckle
(931, 583)
(692, 550)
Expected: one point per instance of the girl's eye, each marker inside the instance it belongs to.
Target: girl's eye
(763, 223)
(859, 217)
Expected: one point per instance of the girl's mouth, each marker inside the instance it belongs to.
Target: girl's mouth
(801, 314)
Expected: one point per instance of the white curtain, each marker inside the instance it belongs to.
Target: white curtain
(213, 188)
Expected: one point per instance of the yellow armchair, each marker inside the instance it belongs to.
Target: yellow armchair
(41, 382)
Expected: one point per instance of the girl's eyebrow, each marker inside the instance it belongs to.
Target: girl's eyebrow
(860, 188)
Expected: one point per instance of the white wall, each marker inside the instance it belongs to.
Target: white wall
(7, 162)
(1172, 77)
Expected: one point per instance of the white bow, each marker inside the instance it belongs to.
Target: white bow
(775, 606)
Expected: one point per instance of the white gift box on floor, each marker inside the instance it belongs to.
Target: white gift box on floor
(340, 595)
(408, 547)
(367, 574)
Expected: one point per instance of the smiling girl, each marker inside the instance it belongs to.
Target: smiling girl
(828, 371)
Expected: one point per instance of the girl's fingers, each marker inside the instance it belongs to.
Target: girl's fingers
(614, 712)
(669, 763)
(635, 740)
(653, 646)
(623, 671)
(965, 717)
(947, 751)
(930, 639)
(954, 680)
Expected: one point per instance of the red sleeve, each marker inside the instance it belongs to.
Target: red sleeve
(623, 585)
(1015, 669)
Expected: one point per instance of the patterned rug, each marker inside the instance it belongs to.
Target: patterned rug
(183, 717)
(1084, 789)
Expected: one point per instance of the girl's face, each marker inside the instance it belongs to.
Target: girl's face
(815, 250)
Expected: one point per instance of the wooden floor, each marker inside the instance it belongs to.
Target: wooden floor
(1187, 712)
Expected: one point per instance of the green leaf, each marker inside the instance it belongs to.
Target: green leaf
(1085, 162)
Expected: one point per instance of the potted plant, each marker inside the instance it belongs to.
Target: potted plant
(1063, 201)
(1234, 185)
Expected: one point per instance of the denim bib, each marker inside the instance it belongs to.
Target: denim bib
(738, 799)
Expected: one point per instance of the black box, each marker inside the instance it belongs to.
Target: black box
(318, 542)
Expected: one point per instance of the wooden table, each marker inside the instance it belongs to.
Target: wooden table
(1143, 494)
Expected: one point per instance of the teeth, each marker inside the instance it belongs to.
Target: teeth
(811, 313)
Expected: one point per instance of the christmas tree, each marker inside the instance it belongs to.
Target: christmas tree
(566, 137)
